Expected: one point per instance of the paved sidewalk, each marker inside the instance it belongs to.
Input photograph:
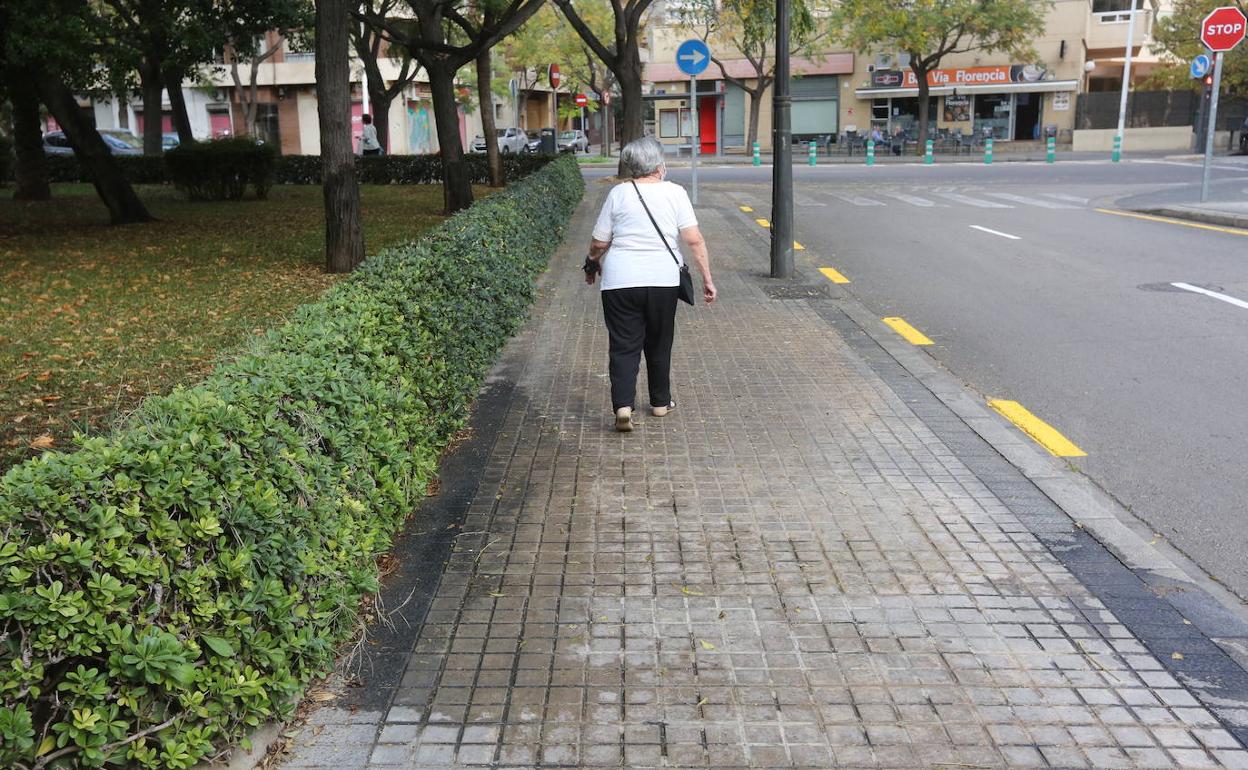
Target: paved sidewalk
(793, 570)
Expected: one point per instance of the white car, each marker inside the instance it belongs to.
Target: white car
(573, 141)
(510, 140)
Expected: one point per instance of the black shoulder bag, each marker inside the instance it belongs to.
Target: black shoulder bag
(685, 291)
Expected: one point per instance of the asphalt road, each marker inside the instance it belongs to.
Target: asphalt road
(1032, 294)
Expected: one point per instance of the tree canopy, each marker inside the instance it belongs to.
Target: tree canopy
(1177, 35)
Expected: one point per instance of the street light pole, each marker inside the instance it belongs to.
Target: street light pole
(782, 154)
(1126, 81)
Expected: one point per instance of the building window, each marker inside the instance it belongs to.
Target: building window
(1110, 6)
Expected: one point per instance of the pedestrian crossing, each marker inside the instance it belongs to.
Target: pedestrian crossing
(937, 197)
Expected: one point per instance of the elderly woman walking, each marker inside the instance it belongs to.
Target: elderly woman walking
(636, 248)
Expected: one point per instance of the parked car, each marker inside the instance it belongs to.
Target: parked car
(119, 143)
(169, 141)
(509, 140)
(573, 141)
(533, 145)
(1243, 137)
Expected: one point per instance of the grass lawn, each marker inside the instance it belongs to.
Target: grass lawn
(93, 317)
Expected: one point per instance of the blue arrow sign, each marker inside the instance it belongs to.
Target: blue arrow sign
(1200, 66)
(692, 57)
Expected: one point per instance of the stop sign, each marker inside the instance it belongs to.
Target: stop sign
(555, 77)
(1223, 28)
(581, 100)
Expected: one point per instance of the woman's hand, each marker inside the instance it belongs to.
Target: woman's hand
(708, 291)
(590, 278)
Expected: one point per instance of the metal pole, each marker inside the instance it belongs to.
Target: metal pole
(695, 135)
(1213, 122)
(782, 154)
(1126, 82)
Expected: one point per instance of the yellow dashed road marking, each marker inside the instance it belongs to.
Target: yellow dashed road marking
(798, 247)
(762, 222)
(832, 275)
(747, 209)
(1044, 434)
(908, 332)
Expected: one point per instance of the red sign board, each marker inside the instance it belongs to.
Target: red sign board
(581, 100)
(1223, 28)
(555, 77)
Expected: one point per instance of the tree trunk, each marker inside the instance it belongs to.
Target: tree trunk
(486, 100)
(124, 207)
(379, 102)
(456, 184)
(628, 75)
(177, 100)
(31, 169)
(344, 237)
(153, 123)
(920, 75)
(756, 110)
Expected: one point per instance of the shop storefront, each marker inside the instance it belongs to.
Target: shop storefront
(1006, 102)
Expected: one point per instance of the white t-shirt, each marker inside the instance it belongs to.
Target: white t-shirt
(637, 256)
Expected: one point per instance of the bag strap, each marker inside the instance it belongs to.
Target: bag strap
(657, 229)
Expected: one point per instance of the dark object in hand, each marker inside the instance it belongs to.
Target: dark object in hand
(591, 266)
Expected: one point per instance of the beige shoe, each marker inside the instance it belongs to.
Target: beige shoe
(624, 419)
(661, 411)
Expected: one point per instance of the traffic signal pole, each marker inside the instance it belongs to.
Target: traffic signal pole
(782, 154)
(1213, 120)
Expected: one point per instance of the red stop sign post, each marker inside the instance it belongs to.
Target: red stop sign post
(1221, 30)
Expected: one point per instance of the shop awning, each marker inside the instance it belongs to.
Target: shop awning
(987, 88)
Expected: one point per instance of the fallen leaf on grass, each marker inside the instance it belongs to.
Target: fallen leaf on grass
(43, 442)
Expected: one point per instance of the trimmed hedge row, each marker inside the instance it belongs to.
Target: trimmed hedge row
(165, 588)
(306, 169)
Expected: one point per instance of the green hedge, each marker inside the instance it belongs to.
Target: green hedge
(306, 169)
(222, 169)
(184, 577)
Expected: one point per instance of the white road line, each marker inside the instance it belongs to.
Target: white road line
(913, 200)
(1030, 201)
(1216, 295)
(996, 232)
(1065, 197)
(957, 198)
(857, 200)
(801, 199)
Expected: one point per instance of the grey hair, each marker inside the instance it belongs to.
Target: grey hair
(640, 157)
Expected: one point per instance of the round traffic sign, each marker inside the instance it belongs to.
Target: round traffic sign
(606, 97)
(581, 100)
(693, 56)
(1223, 28)
(1200, 66)
(554, 76)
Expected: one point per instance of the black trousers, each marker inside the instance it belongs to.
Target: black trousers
(641, 319)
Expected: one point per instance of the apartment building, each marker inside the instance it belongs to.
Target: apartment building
(286, 104)
(854, 92)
